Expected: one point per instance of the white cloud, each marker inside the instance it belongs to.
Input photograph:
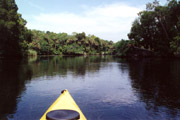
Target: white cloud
(110, 22)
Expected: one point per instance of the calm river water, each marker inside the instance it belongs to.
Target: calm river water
(105, 88)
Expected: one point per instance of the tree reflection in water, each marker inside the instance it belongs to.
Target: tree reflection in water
(13, 76)
(58, 65)
(154, 84)
(157, 83)
(15, 73)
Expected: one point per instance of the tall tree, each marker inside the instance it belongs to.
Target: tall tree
(157, 28)
(13, 34)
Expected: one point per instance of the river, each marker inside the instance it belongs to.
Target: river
(104, 87)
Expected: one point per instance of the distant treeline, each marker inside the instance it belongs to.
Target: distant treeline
(17, 40)
(49, 43)
(156, 30)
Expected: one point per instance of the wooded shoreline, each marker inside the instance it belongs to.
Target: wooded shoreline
(155, 33)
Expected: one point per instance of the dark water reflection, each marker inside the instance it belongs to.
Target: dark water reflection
(105, 88)
(13, 75)
(157, 83)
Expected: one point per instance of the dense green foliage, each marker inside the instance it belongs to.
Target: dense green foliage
(13, 34)
(158, 28)
(17, 40)
(122, 47)
(49, 43)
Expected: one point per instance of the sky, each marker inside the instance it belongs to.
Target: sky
(107, 19)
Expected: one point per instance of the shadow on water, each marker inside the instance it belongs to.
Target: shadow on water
(13, 76)
(157, 84)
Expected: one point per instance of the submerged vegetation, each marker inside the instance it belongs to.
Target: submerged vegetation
(156, 31)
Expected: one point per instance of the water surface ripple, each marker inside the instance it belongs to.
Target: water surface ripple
(104, 87)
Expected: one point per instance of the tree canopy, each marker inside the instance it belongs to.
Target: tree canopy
(13, 33)
(49, 43)
(157, 28)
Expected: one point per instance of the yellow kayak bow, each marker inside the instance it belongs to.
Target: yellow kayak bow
(64, 102)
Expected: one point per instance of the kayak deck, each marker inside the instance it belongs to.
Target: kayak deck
(64, 102)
